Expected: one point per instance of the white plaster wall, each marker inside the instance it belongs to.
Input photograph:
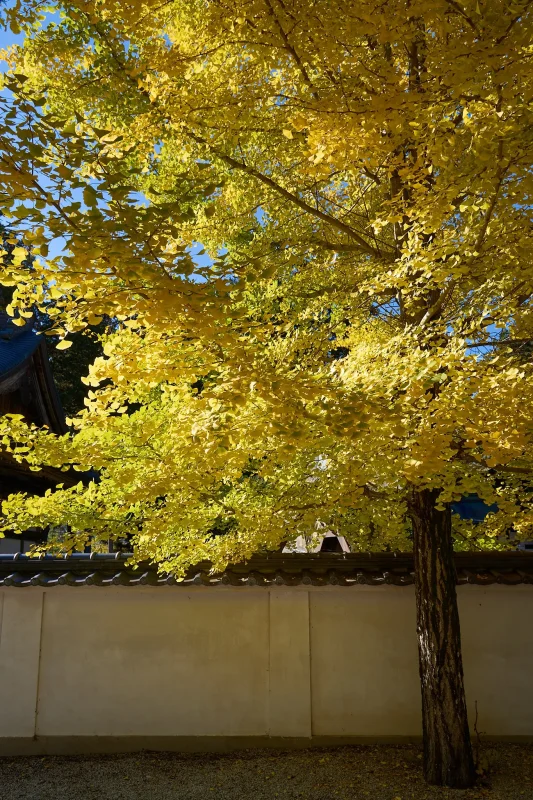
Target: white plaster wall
(20, 640)
(157, 662)
(364, 669)
(497, 637)
(223, 662)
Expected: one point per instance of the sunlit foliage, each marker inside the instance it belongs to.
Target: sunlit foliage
(360, 177)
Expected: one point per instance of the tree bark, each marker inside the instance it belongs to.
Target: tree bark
(448, 758)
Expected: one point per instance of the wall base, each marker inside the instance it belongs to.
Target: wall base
(87, 745)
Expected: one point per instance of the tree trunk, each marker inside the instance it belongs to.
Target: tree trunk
(448, 759)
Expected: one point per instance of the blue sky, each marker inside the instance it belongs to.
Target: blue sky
(7, 38)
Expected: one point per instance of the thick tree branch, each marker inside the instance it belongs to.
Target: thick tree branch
(490, 210)
(463, 14)
(438, 306)
(235, 164)
(337, 247)
(291, 50)
(293, 198)
(497, 467)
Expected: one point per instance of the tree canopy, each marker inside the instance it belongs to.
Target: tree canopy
(360, 178)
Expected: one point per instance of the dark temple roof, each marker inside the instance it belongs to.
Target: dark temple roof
(26, 383)
(275, 569)
(16, 350)
(27, 387)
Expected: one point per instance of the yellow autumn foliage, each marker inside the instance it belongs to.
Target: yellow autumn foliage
(360, 177)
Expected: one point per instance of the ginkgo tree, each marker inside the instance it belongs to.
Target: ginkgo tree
(349, 356)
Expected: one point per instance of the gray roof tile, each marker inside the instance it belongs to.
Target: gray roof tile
(276, 569)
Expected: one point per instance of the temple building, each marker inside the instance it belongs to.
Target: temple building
(27, 387)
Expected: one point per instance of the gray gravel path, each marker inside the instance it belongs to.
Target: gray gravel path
(344, 773)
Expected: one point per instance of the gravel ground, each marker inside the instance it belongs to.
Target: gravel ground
(344, 773)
